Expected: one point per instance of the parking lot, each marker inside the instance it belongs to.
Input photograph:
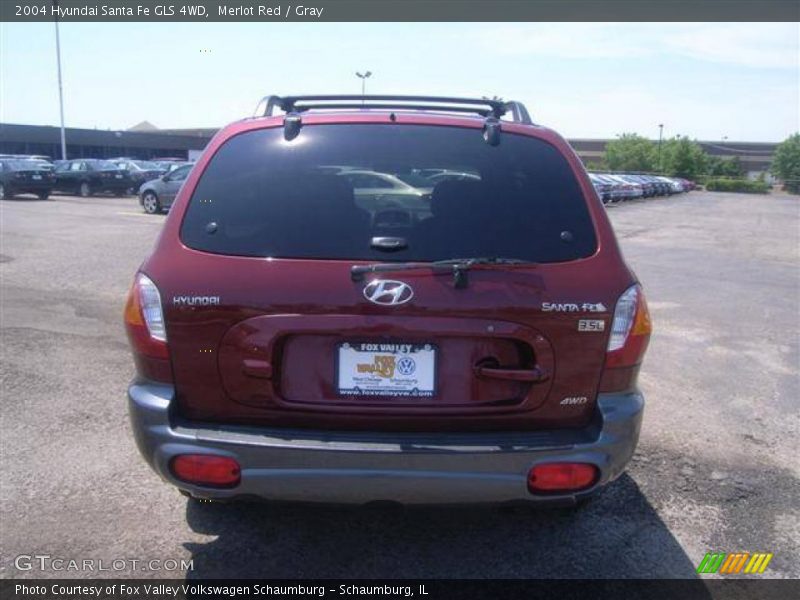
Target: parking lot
(716, 468)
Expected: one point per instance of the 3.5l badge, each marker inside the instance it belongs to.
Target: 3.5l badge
(591, 325)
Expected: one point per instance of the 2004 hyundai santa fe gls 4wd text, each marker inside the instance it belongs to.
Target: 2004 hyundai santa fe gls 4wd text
(406, 299)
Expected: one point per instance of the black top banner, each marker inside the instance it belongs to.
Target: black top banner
(399, 10)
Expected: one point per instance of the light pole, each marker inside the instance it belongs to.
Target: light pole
(660, 136)
(60, 90)
(363, 77)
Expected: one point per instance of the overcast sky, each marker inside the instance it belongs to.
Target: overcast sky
(704, 80)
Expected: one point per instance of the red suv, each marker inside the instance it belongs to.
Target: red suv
(410, 299)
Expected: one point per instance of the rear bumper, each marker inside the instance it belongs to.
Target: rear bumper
(351, 467)
(30, 187)
(113, 186)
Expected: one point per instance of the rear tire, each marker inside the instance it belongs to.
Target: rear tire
(44, 195)
(150, 203)
(85, 190)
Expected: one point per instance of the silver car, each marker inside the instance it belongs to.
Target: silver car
(157, 195)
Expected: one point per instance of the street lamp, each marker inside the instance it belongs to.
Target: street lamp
(660, 136)
(363, 77)
(60, 89)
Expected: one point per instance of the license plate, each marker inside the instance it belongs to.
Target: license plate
(386, 369)
(118, 176)
(36, 177)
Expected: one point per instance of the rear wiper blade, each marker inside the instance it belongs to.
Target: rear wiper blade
(457, 266)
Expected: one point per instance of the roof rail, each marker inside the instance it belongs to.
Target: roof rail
(484, 107)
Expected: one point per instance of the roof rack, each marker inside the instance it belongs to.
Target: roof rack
(484, 107)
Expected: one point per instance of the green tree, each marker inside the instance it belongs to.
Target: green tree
(684, 158)
(631, 152)
(724, 167)
(596, 165)
(786, 164)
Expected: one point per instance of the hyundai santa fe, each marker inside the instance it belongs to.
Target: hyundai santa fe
(298, 337)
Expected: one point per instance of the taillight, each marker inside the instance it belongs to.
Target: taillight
(630, 333)
(206, 469)
(559, 478)
(144, 319)
(630, 329)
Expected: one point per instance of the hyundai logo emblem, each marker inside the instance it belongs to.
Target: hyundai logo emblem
(388, 292)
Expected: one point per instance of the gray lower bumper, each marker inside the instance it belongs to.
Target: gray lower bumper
(359, 467)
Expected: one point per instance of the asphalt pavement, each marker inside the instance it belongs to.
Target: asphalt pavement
(716, 469)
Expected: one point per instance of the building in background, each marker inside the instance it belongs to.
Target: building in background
(98, 143)
(144, 140)
(755, 157)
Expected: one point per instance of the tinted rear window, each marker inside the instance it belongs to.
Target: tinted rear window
(329, 192)
(103, 165)
(24, 164)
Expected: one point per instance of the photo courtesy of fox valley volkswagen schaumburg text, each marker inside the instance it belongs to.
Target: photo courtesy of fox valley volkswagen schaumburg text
(384, 291)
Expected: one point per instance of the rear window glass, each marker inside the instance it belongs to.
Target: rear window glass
(103, 165)
(330, 191)
(24, 164)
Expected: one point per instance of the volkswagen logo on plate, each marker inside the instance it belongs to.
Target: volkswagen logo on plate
(388, 292)
(406, 366)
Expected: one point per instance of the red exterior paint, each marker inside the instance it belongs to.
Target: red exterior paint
(264, 355)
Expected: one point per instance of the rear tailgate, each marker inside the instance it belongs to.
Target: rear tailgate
(270, 353)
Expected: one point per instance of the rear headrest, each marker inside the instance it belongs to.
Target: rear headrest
(459, 198)
(316, 194)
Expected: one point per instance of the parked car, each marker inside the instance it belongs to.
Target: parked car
(44, 162)
(140, 171)
(374, 183)
(679, 185)
(158, 195)
(629, 190)
(649, 188)
(388, 198)
(40, 157)
(603, 188)
(451, 175)
(171, 166)
(88, 176)
(616, 187)
(45, 165)
(661, 187)
(674, 186)
(24, 176)
(290, 347)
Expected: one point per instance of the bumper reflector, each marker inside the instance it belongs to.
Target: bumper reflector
(554, 478)
(206, 469)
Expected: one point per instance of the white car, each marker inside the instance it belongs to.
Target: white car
(675, 186)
